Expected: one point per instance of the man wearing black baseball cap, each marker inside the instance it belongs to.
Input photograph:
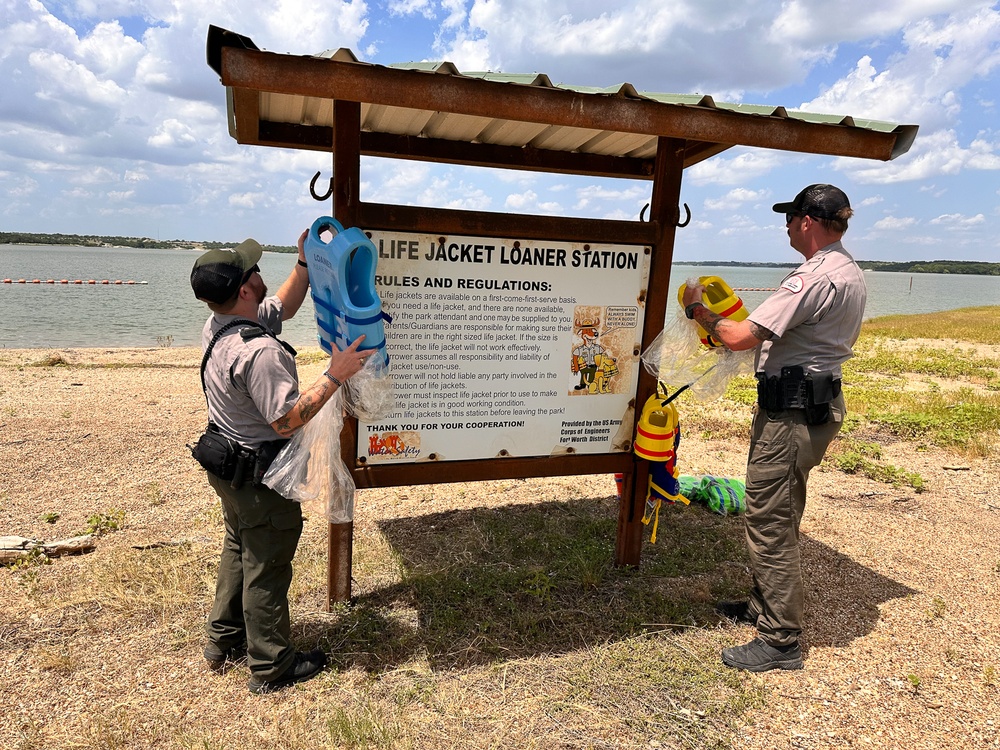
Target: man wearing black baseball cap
(803, 333)
(254, 405)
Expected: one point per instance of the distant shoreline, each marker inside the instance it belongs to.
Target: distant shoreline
(123, 243)
(973, 268)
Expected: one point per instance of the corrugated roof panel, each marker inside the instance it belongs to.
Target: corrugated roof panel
(396, 120)
(453, 127)
(559, 138)
(510, 132)
(610, 143)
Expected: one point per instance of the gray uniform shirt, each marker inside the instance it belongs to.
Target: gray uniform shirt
(815, 315)
(249, 383)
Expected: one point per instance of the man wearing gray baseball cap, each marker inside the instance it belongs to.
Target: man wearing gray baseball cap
(255, 405)
(803, 333)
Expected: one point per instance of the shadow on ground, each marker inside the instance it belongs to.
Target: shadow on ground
(842, 597)
(482, 585)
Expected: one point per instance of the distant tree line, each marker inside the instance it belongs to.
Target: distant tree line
(972, 267)
(975, 268)
(94, 240)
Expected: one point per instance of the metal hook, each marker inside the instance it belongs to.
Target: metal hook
(312, 188)
(687, 220)
(687, 211)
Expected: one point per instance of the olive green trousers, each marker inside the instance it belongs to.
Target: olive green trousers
(783, 450)
(255, 572)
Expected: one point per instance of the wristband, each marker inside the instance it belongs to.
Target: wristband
(303, 264)
(689, 310)
(336, 382)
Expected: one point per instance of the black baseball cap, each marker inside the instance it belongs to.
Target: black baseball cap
(218, 274)
(819, 201)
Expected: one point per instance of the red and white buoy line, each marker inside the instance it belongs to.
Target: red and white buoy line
(115, 282)
(755, 289)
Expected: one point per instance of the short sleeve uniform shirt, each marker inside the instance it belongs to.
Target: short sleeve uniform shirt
(249, 383)
(815, 315)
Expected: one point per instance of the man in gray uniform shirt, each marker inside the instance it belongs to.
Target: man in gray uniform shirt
(254, 406)
(803, 334)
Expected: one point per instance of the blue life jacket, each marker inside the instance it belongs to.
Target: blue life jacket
(342, 277)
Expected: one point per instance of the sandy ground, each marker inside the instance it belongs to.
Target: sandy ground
(903, 632)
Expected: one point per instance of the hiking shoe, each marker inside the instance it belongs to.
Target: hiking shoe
(738, 612)
(217, 660)
(304, 667)
(758, 656)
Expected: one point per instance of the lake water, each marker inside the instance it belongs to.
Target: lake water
(165, 310)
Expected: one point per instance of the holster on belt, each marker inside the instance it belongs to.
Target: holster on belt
(797, 389)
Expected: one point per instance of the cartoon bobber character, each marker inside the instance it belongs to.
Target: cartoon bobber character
(586, 357)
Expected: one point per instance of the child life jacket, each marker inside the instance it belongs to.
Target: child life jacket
(342, 278)
(720, 299)
(658, 436)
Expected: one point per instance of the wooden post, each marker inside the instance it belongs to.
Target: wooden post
(346, 188)
(664, 213)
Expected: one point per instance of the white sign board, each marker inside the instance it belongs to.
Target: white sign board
(506, 348)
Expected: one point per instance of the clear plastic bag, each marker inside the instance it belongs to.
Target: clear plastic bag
(310, 468)
(369, 395)
(678, 358)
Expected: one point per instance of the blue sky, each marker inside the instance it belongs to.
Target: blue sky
(112, 123)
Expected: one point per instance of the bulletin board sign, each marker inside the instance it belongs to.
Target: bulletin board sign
(500, 348)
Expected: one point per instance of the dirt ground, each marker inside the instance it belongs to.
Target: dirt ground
(903, 631)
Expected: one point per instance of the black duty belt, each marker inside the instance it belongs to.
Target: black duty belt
(797, 389)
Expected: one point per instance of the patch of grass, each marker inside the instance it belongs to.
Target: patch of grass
(367, 728)
(49, 517)
(965, 418)
(533, 579)
(100, 524)
(878, 355)
(978, 324)
(154, 493)
(859, 457)
(938, 608)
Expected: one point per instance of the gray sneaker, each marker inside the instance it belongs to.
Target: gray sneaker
(759, 656)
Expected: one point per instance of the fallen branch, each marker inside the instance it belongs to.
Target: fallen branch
(14, 548)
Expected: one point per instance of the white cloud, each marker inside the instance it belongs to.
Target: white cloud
(959, 221)
(734, 199)
(893, 222)
(246, 200)
(738, 170)
(934, 154)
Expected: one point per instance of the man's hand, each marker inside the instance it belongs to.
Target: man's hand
(302, 245)
(693, 294)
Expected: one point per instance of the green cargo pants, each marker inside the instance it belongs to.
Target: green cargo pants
(783, 449)
(255, 571)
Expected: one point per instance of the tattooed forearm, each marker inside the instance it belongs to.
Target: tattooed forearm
(709, 321)
(760, 333)
(305, 408)
(283, 426)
